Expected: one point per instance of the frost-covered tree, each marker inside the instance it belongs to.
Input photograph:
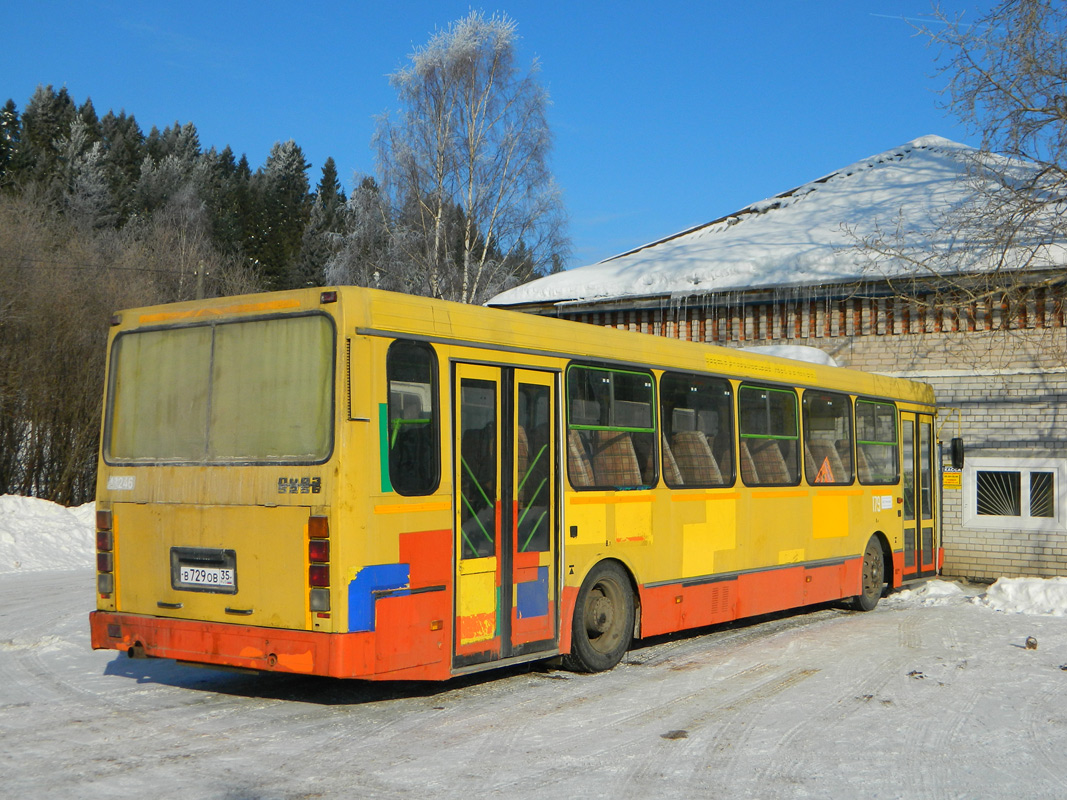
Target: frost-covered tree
(9, 139)
(45, 121)
(1005, 76)
(124, 152)
(282, 208)
(323, 233)
(472, 134)
(367, 255)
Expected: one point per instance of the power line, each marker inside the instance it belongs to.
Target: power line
(85, 266)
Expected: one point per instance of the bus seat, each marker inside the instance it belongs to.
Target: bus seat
(671, 474)
(695, 459)
(522, 453)
(615, 460)
(863, 467)
(725, 459)
(584, 412)
(578, 467)
(683, 419)
(769, 463)
(748, 466)
(630, 414)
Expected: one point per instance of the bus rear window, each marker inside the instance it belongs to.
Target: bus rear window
(259, 391)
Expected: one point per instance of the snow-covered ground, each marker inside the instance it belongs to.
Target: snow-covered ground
(932, 695)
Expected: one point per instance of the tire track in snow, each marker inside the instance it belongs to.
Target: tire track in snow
(730, 736)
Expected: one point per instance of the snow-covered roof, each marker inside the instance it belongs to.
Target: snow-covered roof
(806, 236)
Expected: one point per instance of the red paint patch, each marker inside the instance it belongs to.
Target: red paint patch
(404, 638)
(533, 629)
(429, 556)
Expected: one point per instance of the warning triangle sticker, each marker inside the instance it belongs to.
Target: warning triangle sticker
(826, 474)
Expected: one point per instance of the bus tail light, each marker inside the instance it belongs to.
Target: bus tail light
(105, 559)
(319, 565)
(319, 575)
(319, 551)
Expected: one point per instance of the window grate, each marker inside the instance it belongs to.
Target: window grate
(1042, 495)
(999, 493)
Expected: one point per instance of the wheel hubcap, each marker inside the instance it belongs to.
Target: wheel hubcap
(599, 614)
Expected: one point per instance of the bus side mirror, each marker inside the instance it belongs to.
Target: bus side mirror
(956, 450)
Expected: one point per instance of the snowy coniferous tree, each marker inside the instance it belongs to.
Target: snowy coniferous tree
(282, 207)
(323, 234)
(366, 256)
(87, 195)
(83, 170)
(124, 153)
(45, 121)
(9, 139)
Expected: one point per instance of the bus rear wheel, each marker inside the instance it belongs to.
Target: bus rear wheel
(603, 623)
(873, 577)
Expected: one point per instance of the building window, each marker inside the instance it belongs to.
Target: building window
(1015, 493)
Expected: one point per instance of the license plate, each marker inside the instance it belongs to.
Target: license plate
(208, 576)
(203, 569)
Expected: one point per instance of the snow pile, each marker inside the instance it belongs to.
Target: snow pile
(40, 535)
(931, 593)
(797, 352)
(1042, 596)
(1033, 596)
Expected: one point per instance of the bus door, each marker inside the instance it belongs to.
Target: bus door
(506, 521)
(919, 496)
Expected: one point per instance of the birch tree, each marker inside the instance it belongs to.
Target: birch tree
(471, 142)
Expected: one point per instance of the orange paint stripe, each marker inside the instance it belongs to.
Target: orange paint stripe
(404, 508)
(244, 308)
(585, 500)
(787, 493)
(702, 498)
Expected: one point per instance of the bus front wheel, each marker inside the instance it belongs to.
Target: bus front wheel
(603, 623)
(873, 577)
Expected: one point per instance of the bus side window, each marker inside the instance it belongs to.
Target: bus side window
(611, 428)
(414, 454)
(876, 442)
(827, 437)
(697, 438)
(768, 425)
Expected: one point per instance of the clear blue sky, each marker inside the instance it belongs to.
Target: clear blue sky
(666, 115)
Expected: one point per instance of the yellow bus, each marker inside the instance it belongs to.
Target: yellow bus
(354, 483)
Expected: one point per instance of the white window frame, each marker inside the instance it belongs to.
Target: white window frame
(1023, 522)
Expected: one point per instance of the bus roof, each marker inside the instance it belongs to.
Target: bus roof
(376, 312)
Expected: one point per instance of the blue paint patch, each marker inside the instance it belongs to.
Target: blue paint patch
(393, 578)
(533, 596)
